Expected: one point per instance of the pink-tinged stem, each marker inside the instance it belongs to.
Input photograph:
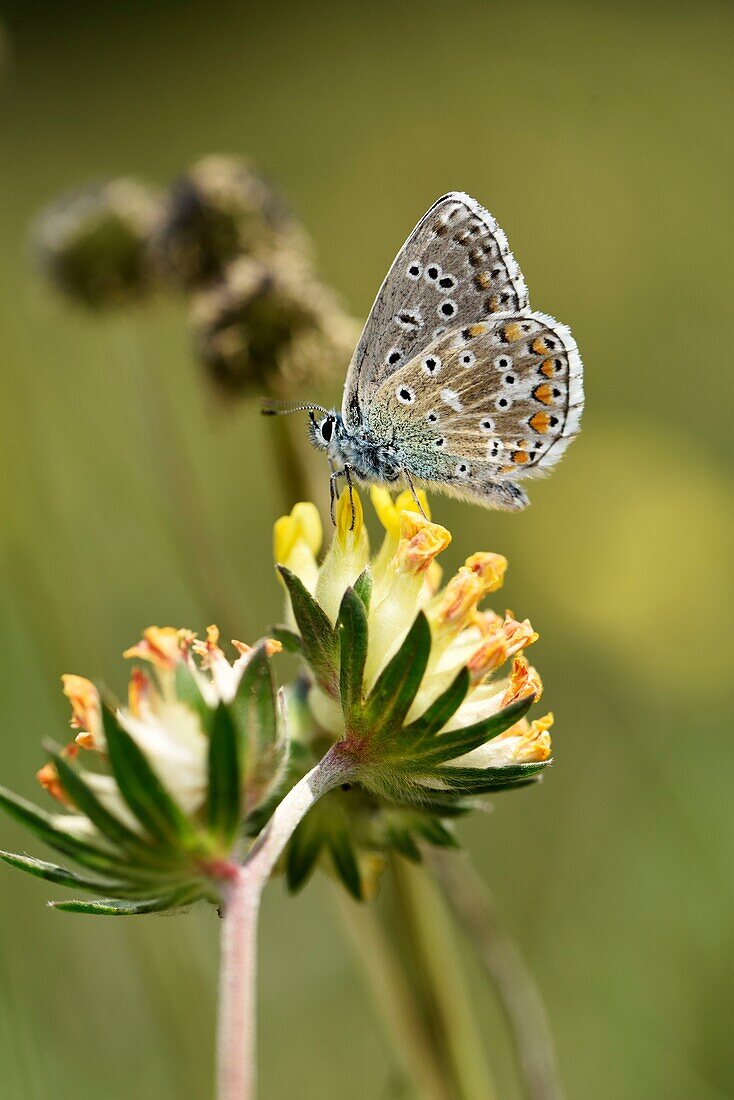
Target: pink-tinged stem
(236, 1038)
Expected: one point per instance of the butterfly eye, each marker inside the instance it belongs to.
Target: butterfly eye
(447, 308)
(462, 470)
(487, 424)
(431, 364)
(468, 359)
(432, 417)
(432, 272)
(405, 395)
(327, 429)
(495, 447)
(393, 356)
(447, 282)
(414, 271)
(439, 444)
(509, 380)
(503, 403)
(502, 362)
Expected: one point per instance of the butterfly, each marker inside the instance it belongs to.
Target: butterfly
(456, 385)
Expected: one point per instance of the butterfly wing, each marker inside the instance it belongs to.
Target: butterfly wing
(455, 267)
(483, 405)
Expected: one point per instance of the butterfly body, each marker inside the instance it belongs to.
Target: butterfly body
(456, 384)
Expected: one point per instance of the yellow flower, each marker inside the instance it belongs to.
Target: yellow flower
(297, 541)
(464, 635)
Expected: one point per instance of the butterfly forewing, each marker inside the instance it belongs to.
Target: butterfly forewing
(490, 400)
(455, 268)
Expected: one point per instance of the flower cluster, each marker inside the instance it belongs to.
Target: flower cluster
(406, 677)
(153, 793)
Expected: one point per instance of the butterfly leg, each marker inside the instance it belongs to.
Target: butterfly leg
(333, 478)
(416, 498)
(347, 471)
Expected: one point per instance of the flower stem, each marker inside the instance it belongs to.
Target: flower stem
(236, 1036)
(475, 910)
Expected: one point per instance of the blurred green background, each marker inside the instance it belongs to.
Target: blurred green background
(600, 135)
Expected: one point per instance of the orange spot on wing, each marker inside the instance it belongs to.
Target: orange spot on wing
(548, 368)
(538, 345)
(520, 457)
(511, 332)
(539, 422)
(543, 393)
(477, 330)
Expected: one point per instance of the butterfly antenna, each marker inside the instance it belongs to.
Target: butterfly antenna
(282, 408)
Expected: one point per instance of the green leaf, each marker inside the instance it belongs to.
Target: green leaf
(223, 808)
(352, 629)
(402, 842)
(303, 853)
(344, 860)
(290, 641)
(317, 634)
(482, 780)
(261, 728)
(440, 711)
(363, 587)
(116, 907)
(447, 746)
(188, 692)
(87, 802)
(396, 688)
(156, 810)
(43, 825)
(435, 832)
(50, 872)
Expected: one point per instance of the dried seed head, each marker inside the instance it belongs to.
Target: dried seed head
(221, 208)
(94, 243)
(271, 327)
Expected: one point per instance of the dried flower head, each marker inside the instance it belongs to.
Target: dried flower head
(423, 688)
(268, 327)
(222, 208)
(93, 243)
(153, 794)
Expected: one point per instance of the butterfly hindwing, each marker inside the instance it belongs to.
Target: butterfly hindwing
(492, 401)
(455, 268)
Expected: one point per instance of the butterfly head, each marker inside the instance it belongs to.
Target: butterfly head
(325, 431)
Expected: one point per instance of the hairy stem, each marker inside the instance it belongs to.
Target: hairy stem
(236, 1037)
(475, 910)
